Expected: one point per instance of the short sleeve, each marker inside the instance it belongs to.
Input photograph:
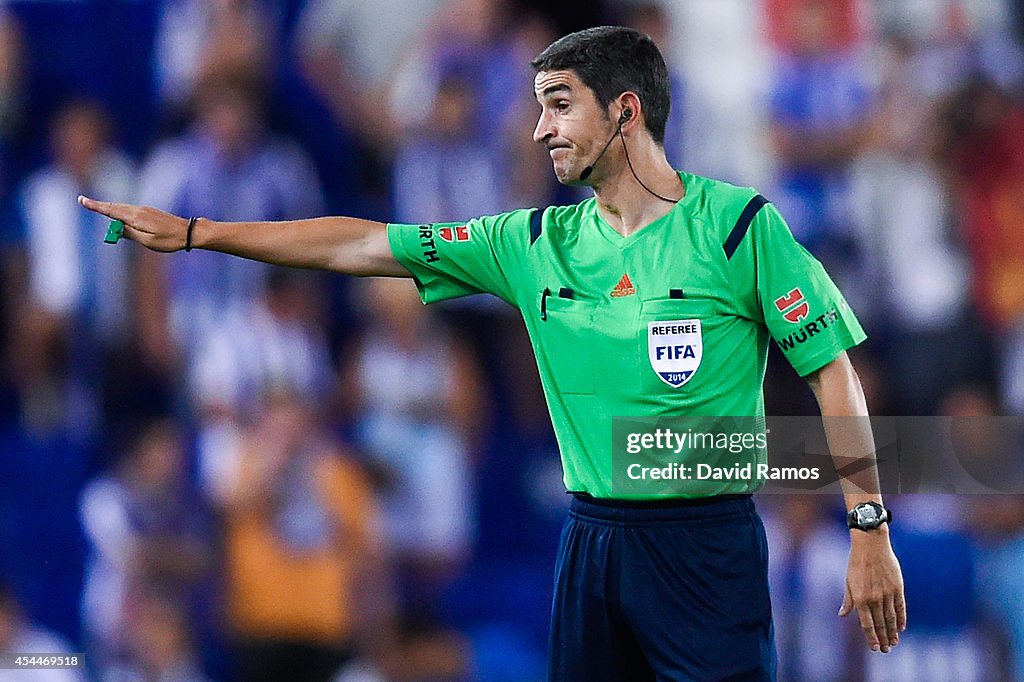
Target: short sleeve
(448, 260)
(801, 306)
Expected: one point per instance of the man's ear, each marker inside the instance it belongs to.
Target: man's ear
(629, 102)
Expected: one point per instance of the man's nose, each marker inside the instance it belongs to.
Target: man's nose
(543, 131)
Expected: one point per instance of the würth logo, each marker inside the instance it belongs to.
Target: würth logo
(623, 288)
(793, 306)
(454, 234)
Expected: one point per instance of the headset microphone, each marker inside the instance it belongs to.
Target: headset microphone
(626, 115)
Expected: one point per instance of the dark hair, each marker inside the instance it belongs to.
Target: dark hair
(611, 60)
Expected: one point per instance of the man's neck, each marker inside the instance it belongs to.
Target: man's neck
(624, 203)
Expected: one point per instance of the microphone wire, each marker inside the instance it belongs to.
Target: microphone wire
(631, 170)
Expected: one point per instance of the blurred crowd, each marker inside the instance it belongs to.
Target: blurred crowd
(213, 469)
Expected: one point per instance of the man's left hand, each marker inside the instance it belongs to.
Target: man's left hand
(874, 586)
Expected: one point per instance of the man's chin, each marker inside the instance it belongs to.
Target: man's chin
(569, 177)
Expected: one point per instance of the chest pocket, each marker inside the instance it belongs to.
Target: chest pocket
(672, 342)
(567, 342)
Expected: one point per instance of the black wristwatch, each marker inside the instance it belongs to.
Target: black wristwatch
(868, 516)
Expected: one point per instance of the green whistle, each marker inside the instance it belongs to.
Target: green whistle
(114, 232)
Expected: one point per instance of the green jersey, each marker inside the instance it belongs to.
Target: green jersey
(671, 320)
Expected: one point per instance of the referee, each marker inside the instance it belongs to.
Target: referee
(654, 298)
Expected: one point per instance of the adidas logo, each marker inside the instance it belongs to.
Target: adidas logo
(623, 288)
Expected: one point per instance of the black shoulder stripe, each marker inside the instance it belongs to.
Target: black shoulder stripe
(742, 225)
(535, 219)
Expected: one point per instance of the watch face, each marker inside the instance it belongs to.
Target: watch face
(867, 516)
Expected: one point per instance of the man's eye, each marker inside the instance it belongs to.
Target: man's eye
(562, 106)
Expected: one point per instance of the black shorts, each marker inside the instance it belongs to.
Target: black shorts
(662, 593)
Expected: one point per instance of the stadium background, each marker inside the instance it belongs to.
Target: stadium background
(164, 420)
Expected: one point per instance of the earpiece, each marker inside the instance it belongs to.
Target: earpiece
(626, 115)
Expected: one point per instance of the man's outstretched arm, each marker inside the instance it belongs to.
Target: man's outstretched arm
(874, 582)
(347, 245)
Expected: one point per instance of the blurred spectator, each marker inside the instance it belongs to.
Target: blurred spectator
(146, 530)
(958, 39)
(13, 69)
(12, 90)
(274, 341)
(446, 170)
(819, 108)
(226, 167)
(999, 524)
(340, 42)
(570, 15)
(416, 396)
(1013, 372)
(997, 521)
(11, 72)
(983, 156)
(653, 19)
(305, 585)
(198, 37)
(917, 294)
(478, 38)
(807, 571)
(1017, 7)
(73, 314)
(158, 642)
(526, 167)
(339, 45)
(988, 447)
(17, 635)
(719, 49)
(791, 23)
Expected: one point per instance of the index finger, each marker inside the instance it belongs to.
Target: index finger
(107, 208)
